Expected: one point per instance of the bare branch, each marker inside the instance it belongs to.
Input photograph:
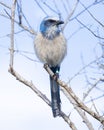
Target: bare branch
(41, 7)
(94, 3)
(58, 11)
(29, 84)
(80, 104)
(79, 110)
(71, 13)
(95, 98)
(75, 32)
(100, 1)
(89, 29)
(19, 10)
(41, 95)
(12, 33)
(90, 89)
(87, 65)
(92, 15)
(66, 10)
(2, 3)
(21, 14)
(8, 16)
(7, 13)
(49, 7)
(30, 59)
(71, 124)
(94, 106)
(21, 25)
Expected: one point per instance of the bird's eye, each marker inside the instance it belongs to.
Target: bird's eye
(50, 22)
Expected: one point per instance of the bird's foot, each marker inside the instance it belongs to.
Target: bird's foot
(56, 113)
(46, 65)
(55, 76)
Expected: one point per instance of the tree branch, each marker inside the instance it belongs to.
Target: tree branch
(41, 95)
(90, 89)
(8, 16)
(12, 33)
(91, 14)
(88, 7)
(83, 68)
(69, 92)
(5, 5)
(89, 29)
(71, 13)
(21, 25)
(79, 110)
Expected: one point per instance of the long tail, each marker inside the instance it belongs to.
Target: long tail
(55, 93)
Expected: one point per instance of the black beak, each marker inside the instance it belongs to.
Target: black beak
(59, 22)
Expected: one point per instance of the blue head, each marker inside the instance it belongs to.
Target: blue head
(49, 27)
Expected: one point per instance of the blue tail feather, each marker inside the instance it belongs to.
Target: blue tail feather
(55, 93)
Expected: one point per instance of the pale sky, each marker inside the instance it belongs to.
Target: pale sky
(20, 107)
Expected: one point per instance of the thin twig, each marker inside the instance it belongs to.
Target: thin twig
(71, 13)
(19, 10)
(5, 5)
(41, 7)
(12, 33)
(90, 89)
(79, 110)
(21, 14)
(84, 68)
(21, 25)
(92, 15)
(89, 29)
(58, 10)
(89, 6)
(65, 8)
(49, 7)
(7, 13)
(94, 106)
(75, 32)
(27, 57)
(101, 96)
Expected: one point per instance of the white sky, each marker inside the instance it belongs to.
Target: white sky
(20, 108)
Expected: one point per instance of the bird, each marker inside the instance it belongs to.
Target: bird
(50, 48)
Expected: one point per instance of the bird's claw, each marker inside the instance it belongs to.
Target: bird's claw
(46, 65)
(55, 76)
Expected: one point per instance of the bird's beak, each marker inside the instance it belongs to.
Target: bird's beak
(59, 22)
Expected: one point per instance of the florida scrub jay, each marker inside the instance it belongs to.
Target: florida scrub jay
(50, 47)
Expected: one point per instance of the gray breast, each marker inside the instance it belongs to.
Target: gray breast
(50, 51)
